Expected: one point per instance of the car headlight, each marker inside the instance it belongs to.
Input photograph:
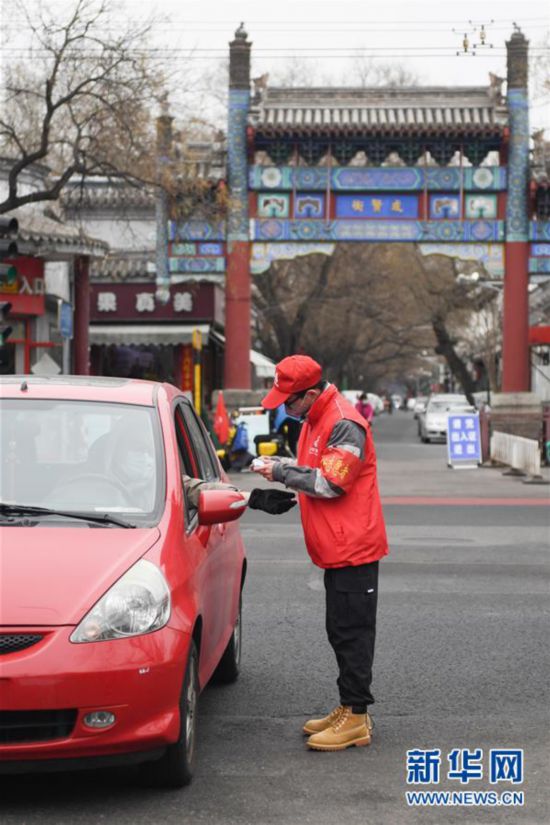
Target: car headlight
(137, 603)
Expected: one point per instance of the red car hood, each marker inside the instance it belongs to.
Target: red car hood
(53, 576)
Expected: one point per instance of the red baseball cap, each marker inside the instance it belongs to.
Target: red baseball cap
(292, 374)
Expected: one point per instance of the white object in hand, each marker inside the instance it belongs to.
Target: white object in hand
(257, 463)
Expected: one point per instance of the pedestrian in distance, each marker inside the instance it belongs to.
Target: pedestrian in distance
(364, 407)
(334, 475)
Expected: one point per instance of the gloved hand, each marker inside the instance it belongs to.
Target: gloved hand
(274, 502)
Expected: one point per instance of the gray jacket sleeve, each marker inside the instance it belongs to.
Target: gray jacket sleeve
(346, 435)
(193, 487)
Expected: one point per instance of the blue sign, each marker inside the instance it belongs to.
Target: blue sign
(463, 438)
(376, 206)
(210, 249)
(65, 319)
(540, 250)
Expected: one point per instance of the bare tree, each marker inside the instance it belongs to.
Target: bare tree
(81, 103)
(369, 309)
(339, 309)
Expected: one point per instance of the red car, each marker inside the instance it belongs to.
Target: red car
(119, 599)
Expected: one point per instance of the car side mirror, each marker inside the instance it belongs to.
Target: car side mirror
(216, 506)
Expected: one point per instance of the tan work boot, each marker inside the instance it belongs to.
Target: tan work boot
(347, 729)
(318, 725)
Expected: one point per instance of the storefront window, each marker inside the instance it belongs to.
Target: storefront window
(152, 363)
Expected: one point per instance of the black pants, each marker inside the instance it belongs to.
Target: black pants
(352, 596)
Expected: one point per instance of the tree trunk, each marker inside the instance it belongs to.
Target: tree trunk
(457, 366)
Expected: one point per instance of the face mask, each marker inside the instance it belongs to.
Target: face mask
(293, 417)
(302, 415)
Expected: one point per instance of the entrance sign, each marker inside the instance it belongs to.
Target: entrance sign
(65, 319)
(463, 440)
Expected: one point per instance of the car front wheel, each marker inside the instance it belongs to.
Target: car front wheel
(175, 769)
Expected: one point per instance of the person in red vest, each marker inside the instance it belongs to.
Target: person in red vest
(335, 476)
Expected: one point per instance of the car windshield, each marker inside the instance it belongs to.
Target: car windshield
(446, 406)
(82, 457)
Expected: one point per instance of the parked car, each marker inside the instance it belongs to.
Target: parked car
(120, 598)
(432, 423)
(420, 405)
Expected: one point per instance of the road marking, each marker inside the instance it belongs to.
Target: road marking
(428, 501)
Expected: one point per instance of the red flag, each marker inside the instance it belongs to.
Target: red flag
(221, 420)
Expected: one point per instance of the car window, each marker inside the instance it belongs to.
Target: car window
(208, 468)
(190, 464)
(189, 461)
(443, 406)
(197, 460)
(83, 456)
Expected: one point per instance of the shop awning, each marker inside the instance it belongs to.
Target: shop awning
(264, 366)
(137, 334)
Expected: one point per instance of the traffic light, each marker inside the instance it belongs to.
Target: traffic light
(5, 330)
(8, 231)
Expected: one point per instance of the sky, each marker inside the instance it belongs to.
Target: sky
(329, 38)
(328, 42)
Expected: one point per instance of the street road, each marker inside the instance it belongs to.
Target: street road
(462, 662)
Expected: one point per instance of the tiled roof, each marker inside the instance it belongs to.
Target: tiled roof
(122, 266)
(107, 195)
(140, 266)
(42, 234)
(379, 110)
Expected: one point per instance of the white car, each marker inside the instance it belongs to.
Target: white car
(432, 423)
(420, 403)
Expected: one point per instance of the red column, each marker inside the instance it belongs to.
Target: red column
(515, 334)
(81, 315)
(237, 317)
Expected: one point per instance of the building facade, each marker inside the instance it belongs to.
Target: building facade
(44, 294)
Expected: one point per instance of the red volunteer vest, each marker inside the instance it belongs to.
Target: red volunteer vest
(348, 530)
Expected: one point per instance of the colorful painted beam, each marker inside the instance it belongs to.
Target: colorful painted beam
(540, 250)
(539, 231)
(196, 231)
(182, 250)
(196, 264)
(376, 230)
(401, 179)
(539, 265)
